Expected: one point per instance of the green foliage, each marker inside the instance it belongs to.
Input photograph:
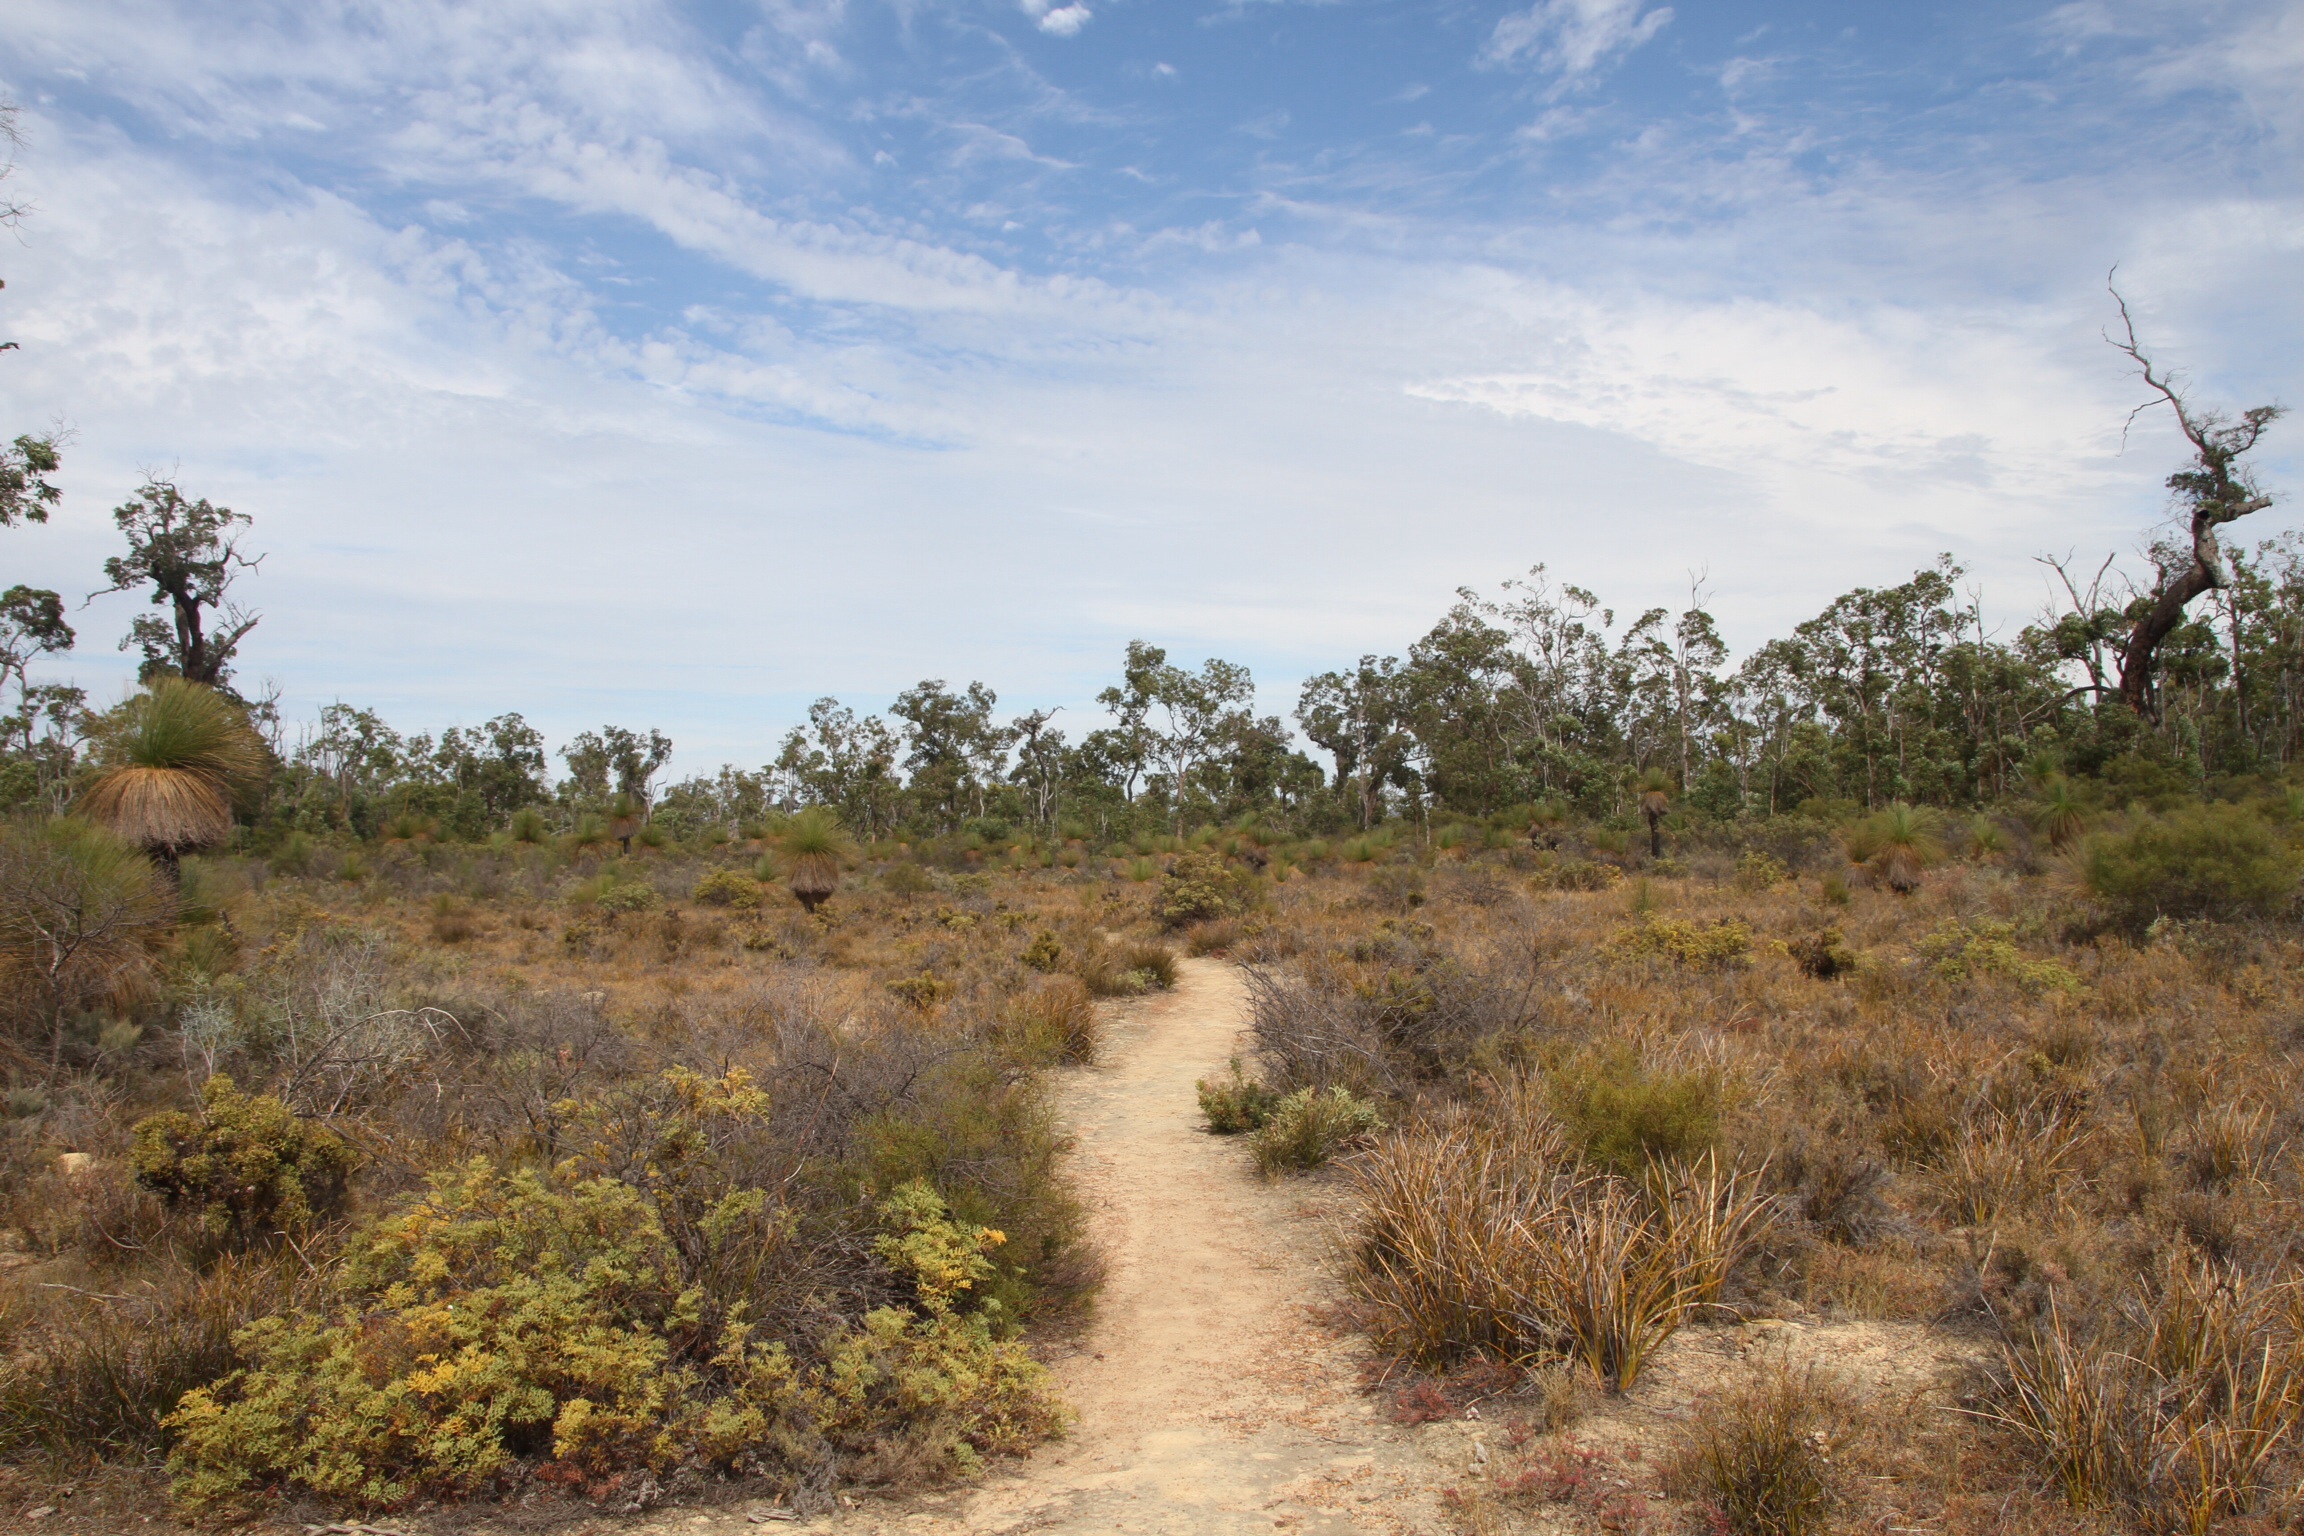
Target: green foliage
(82, 914)
(1043, 954)
(1958, 951)
(1705, 947)
(2214, 861)
(246, 1165)
(727, 888)
(1626, 1112)
(1237, 1103)
(1760, 870)
(512, 1313)
(1200, 885)
(1309, 1126)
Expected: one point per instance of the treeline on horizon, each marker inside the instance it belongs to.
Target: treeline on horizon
(1535, 703)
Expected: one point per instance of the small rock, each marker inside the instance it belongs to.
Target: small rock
(42, 1513)
(1479, 1452)
(73, 1164)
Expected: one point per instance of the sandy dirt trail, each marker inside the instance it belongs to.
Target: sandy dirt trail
(1210, 1400)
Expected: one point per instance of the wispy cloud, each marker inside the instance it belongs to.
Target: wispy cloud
(548, 342)
(1573, 38)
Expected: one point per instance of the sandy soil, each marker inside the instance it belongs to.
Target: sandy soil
(1210, 1399)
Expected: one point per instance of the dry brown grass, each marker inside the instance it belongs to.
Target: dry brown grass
(1982, 1116)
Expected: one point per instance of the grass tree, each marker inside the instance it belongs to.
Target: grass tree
(175, 756)
(625, 814)
(810, 852)
(2061, 817)
(1655, 790)
(1898, 844)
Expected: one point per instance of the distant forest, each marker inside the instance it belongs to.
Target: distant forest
(1539, 700)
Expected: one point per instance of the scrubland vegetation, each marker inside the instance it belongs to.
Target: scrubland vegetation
(390, 1122)
(2012, 1098)
(404, 1171)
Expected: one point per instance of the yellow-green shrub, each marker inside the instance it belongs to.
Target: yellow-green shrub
(607, 1316)
(727, 888)
(1712, 947)
(508, 1314)
(1201, 885)
(245, 1165)
(1959, 951)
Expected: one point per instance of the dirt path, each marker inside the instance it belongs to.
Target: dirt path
(1209, 1399)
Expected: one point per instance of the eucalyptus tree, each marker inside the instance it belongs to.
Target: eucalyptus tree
(954, 749)
(1363, 720)
(188, 554)
(611, 763)
(845, 761)
(2216, 488)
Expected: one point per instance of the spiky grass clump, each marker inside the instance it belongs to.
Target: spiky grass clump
(810, 853)
(178, 753)
(1899, 844)
(1761, 1459)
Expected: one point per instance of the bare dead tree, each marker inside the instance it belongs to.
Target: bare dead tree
(2216, 488)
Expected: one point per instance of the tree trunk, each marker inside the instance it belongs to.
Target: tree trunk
(2157, 624)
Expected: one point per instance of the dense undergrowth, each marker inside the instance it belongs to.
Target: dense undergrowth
(419, 1171)
(517, 1174)
(2042, 1101)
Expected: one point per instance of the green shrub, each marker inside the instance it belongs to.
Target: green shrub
(607, 894)
(1044, 954)
(603, 1324)
(1714, 947)
(905, 878)
(1626, 1113)
(1760, 870)
(1238, 1103)
(631, 896)
(246, 1166)
(1959, 951)
(1200, 885)
(2215, 861)
(1308, 1127)
(727, 888)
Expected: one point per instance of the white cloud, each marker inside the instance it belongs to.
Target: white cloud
(1571, 38)
(1062, 21)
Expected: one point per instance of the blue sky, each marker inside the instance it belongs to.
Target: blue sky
(672, 364)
